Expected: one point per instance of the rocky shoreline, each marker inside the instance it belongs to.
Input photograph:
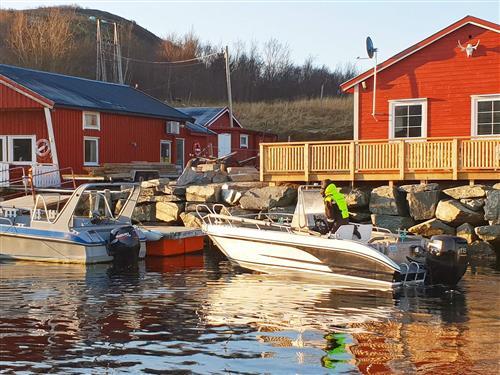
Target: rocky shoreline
(468, 211)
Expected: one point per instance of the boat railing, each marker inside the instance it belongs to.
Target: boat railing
(38, 214)
(213, 218)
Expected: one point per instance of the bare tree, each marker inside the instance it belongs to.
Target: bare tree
(276, 57)
(42, 41)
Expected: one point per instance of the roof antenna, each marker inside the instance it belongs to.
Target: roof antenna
(372, 54)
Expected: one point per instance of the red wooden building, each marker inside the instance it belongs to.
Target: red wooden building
(447, 85)
(76, 122)
(221, 137)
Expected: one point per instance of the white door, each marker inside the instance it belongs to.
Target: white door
(224, 142)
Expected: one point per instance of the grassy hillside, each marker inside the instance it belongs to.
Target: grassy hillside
(301, 120)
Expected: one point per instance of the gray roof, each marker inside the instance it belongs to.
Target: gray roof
(75, 92)
(202, 115)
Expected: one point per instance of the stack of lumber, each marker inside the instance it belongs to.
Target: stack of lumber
(243, 174)
(126, 170)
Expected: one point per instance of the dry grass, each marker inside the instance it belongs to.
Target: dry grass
(301, 120)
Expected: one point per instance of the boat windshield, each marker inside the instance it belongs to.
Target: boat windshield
(309, 205)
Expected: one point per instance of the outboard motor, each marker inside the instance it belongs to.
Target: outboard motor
(446, 259)
(124, 245)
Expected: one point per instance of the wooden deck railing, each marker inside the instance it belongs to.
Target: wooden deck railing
(398, 160)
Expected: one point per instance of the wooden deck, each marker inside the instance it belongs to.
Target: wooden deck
(382, 160)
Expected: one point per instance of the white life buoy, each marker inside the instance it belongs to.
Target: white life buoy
(42, 147)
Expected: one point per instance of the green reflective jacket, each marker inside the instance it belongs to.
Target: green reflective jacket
(332, 194)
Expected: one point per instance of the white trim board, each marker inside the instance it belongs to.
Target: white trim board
(392, 105)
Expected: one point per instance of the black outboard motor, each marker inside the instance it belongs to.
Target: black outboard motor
(124, 245)
(446, 259)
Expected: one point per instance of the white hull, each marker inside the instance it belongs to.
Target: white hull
(282, 252)
(44, 250)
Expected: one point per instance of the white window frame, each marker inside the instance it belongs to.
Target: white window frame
(475, 99)
(89, 127)
(3, 155)
(91, 164)
(168, 127)
(10, 146)
(162, 141)
(417, 101)
(244, 136)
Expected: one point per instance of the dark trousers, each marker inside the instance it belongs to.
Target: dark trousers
(334, 216)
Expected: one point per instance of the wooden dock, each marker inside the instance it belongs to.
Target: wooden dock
(376, 160)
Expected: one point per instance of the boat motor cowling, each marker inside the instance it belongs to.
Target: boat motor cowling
(446, 259)
(124, 244)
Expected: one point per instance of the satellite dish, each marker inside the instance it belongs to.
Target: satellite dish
(370, 50)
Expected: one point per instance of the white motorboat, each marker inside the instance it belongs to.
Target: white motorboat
(91, 224)
(356, 254)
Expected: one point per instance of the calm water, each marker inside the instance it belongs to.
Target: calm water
(197, 314)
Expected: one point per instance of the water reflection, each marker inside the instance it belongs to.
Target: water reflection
(196, 313)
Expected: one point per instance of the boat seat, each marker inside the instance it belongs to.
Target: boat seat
(345, 232)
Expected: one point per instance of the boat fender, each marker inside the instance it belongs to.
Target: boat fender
(124, 244)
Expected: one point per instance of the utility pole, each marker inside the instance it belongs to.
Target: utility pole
(228, 81)
(118, 55)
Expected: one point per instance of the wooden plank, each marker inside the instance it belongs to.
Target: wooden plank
(454, 159)
(401, 161)
(306, 161)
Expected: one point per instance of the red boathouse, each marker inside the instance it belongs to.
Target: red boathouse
(74, 122)
(447, 85)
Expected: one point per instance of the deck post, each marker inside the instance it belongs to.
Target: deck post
(262, 162)
(454, 158)
(352, 160)
(306, 162)
(401, 155)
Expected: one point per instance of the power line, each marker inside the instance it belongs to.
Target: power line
(171, 62)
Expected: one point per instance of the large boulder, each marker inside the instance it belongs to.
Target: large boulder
(172, 189)
(415, 188)
(492, 206)
(356, 198)
(423, 204)
(144, 213)
(474, 204)
(489, 233)
(220, 177)
(191, 220)
(168, 198)
(391, 222)
(480, 250)
(387, 200)
(466, 231)
(431, 228)
(147, 195)
(230, 196)
(156, 183)
(203, 193)
(467, 191)
(454, 213)
(268, 197)
(168, 212)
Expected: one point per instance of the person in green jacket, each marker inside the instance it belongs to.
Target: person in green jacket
(335, 206)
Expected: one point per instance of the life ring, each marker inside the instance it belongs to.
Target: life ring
(42, 147)
(197, 149)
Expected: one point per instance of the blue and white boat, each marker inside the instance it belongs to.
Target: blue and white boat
(91, 224)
